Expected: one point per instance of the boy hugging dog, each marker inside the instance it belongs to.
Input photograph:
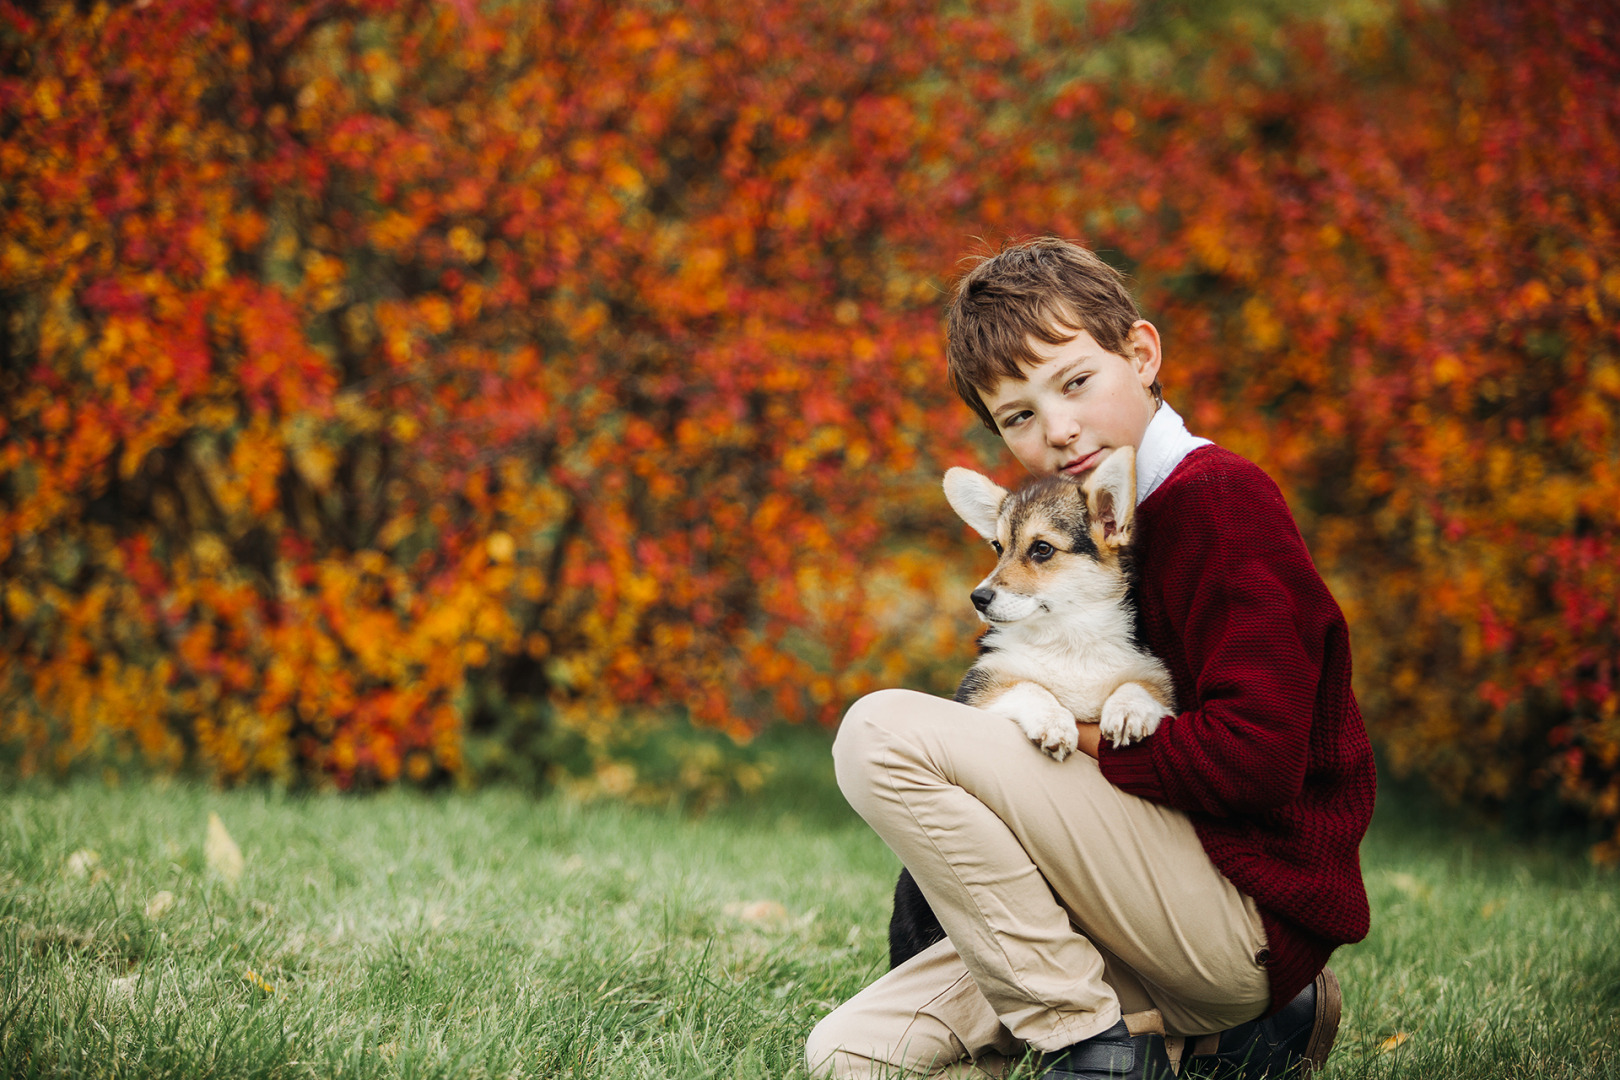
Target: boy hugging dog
(1157, 905)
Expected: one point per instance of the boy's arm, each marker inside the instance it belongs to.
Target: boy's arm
(1253, 619)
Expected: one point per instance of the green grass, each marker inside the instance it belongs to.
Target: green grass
(497, 935)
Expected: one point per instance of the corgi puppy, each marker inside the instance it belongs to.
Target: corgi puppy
(1061, 646)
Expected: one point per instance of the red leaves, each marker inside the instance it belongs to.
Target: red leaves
(590, 352)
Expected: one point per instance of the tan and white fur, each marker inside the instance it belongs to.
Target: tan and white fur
(1061, 645)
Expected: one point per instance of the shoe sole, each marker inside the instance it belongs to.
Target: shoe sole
(1329, 1002)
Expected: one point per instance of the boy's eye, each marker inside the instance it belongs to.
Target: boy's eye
(1040, 551)
(1076, 382)
(997, 545)
(1015, 419)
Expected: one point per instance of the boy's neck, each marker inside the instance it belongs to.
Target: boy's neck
(1165, 442)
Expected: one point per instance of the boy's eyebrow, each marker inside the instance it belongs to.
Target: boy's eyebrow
(1010, 403)
(1061, 375)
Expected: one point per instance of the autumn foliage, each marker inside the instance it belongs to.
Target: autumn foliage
(386, 380)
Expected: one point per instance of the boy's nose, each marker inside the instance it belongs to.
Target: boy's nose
(1061, 433)
(982, 597)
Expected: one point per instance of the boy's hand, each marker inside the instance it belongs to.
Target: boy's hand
(1090, 737)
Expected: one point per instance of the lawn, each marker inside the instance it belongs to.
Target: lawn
(496, 934)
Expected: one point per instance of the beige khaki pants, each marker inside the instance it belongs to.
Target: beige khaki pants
(1067, 901)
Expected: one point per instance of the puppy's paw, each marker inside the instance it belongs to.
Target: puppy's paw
(1130, 714)
(1052, 730)
(1040, 716)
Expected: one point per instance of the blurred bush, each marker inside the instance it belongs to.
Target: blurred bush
(409, 391)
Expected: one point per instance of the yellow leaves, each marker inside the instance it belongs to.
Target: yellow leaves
(1394, 1042)
(1606, 380)
(466, 244)
(501, 547)
(324, 281)
(1610, 284)
(404, 427)
(825, 440)
(313, 457)
(19, 602)
(1264, 329)
(47, 98)
(640, 590)
(1446, 370)
(702, 268)
(580, 322)
(1209, 246)
(255, 466)
(382, 73)
(17, 263)
(394, 232)
(210, 552)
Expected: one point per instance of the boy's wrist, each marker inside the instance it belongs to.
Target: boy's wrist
(1090, 737)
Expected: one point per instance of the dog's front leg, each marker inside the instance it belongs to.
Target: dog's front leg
(1041, 716)
(1130, 714)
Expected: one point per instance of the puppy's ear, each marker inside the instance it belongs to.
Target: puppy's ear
(1110, 493)
(976, 500)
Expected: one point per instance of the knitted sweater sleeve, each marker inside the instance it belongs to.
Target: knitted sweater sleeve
(1235, 588)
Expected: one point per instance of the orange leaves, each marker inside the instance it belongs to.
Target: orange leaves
(584, 360)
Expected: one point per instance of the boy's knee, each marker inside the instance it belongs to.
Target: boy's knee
(854, 747)
(820, 1048)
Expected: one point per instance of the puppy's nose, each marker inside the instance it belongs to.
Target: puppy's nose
(982, 597)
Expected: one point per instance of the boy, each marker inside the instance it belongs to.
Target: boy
(1130, 911)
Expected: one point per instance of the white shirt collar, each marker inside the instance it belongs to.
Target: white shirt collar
(1164, 444)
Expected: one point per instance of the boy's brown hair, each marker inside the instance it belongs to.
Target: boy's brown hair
(1034, 289)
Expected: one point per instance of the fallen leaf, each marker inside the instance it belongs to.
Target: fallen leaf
(757, 911)
(1393, 1042)
(1408, 885)
(224, 857)
(160, 904)
(82, 863)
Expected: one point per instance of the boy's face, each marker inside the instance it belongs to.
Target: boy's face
(1078, 403)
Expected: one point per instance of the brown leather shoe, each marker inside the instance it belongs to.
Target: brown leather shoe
(1294, 1042)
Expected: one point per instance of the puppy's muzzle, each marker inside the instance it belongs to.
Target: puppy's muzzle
(982, 597)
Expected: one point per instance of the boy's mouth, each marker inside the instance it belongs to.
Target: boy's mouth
(1082, 464)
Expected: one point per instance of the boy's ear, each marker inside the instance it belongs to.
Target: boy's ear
(976, 500)
(1110, 493)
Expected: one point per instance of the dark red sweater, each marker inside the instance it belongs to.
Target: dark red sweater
(1269, 757)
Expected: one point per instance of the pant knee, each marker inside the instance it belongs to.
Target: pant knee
(824, 1056)
(854, 747)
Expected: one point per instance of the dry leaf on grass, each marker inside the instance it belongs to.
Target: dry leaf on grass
(757, 911)
(224, 857)
(1392, 1043)
(83, 863)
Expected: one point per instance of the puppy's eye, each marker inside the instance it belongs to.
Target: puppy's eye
(1040, 551)
(997, 545)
